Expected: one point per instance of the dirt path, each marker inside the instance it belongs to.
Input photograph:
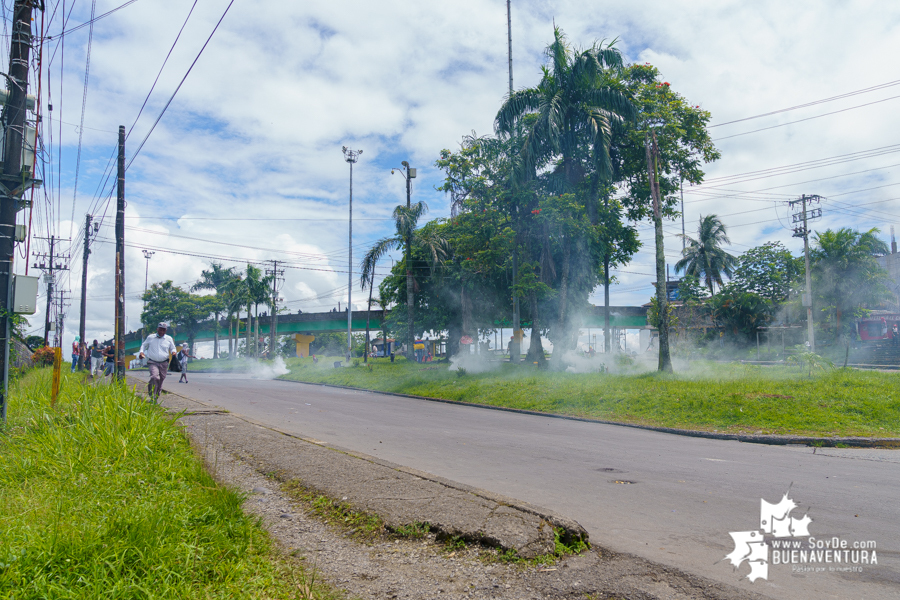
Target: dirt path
(258, 460)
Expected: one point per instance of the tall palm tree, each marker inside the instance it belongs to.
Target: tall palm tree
(233, 294)
(406, 236)
(568, 116)
(216, 279)
(574, 104)
(703, 257)
(846, 273)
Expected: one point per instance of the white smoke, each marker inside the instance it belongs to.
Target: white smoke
(269, 370)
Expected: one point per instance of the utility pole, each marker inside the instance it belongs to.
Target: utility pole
(61, 303)
(16, 177)
(275, 272)
(120, 259)
(84, 265)
(804, 233)
(515, 348)
(662, 299)
(49, 268)
(409, 173)
(351, 156)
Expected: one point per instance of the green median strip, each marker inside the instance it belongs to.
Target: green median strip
(103, 497)
(725, 398)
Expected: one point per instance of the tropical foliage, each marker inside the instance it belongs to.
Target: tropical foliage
(704, 257)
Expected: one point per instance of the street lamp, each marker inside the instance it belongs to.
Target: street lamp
(408, 174)
(351, 156)
(147, 254)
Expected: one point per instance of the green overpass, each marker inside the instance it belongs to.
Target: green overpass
(621, 317)
(308, 323)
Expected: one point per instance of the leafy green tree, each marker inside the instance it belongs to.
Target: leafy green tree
(161, 302)
(845, 274)
(34, 342)
(567, 123)
(768, 270)
(406, 222)
(690, 290)
(741, 313)
(216, 279)
(232, 296)
(704, 257)
(191, 311)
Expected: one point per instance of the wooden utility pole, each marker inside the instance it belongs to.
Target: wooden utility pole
(120, 259)
(84, 265)
(662, 300)
(14, 179)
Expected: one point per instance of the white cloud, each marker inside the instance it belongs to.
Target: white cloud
(257, 128)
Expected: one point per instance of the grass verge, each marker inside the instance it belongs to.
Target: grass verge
(731, 398)
(103, 497)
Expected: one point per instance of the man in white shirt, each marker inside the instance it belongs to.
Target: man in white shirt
(158, 348)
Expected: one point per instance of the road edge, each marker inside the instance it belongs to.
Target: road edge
(772, 440)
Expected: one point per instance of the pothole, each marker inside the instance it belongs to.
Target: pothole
(609, 470)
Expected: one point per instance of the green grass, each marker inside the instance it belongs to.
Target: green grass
(102, 497)
(731, 398)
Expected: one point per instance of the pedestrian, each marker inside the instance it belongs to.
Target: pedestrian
(96, 358)
(109, 353)
(76, 352)
(182, 357)
(158, 348)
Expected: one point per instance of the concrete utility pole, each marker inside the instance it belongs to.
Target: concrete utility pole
(409, 173)
(275, 272)
(15, 177)
(52, 265)
(120, 259)
(351, 156)
(515, 348)
(804, 233)
(84, 265)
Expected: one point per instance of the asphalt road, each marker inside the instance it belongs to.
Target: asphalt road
(671, 499)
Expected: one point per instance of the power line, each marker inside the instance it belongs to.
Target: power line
(92, 21)
(806, 119)
(813, 103)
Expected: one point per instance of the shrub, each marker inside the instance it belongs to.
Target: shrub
(43, 356)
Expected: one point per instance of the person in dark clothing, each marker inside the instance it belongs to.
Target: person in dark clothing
(110, 353)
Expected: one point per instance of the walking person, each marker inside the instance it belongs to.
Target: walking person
(183, 355)
(76, 352)
(109, 353)
(96, 353)
(158, 348)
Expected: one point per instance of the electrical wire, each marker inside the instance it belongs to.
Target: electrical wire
(92, 21)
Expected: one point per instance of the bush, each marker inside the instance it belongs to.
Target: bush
(43, 356)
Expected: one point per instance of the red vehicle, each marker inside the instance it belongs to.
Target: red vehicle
(878, 327)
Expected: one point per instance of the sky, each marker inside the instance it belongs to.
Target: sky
(246, 163)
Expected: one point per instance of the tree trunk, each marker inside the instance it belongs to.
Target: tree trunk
(249, 328)
(230, 337)
(410, 306)
(562, 339)
(368, 314)
(665, 361)
(216, 336)
(535, 347)
(607, 342)
(256, 331)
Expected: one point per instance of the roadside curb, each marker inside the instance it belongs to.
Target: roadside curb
(572, 531)
(772, 440)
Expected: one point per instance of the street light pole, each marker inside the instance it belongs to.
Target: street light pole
(351, 156)
(147, 254)
(409, 174)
